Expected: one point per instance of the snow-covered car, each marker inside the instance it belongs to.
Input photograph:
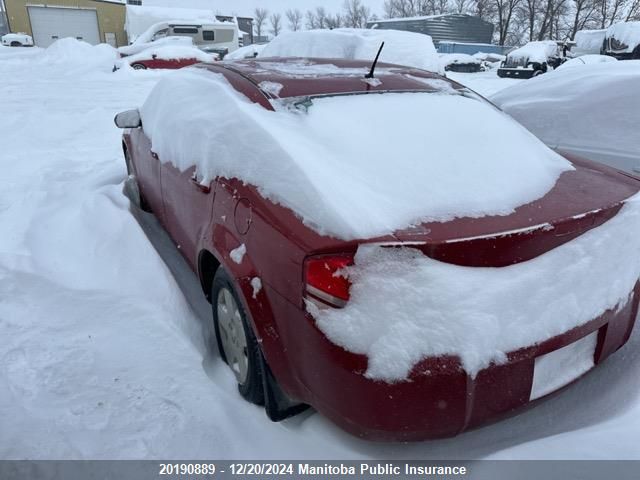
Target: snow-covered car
(490, 60)
(622, 41)
(361, 259)
(588, 42)
(139, 47)
(400, 47)
(461, 62)
(167, 57)
(17, 40)
(250, 51)
(531, 60)
(591, 110)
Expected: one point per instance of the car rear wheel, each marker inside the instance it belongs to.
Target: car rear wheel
(236, 341)
(16, 44)
(132, 187)
(138, 66)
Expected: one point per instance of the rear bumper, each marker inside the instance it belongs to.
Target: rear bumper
(440, 399)
(515, 72)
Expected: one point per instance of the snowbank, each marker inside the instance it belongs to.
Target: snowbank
(587, 60)
(172, 53)
(140, 18)
(627, 33)
(588, 42)
(536, 51)
(77, 55)
(402, 48)
(250, 51)
(403, 166)
(405, 306)
(588, 109)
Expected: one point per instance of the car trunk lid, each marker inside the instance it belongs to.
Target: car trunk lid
(582, 199)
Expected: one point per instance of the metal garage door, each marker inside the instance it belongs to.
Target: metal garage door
(49, 24)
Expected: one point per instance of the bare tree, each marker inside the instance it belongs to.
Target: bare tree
(356, 14)
(609, 11)
(583, 12)
(317, 18)
(634, 11)
(462, 6)
(334, 21)
(505, 10)
(276, 23)
(483, 9)
(260, 16)
(294, 17)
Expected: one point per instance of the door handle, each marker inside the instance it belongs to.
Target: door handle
(199, 186)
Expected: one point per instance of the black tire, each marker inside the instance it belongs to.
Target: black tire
(251, 388)
(138, 66)
(16, 44)
(537, 72)
(134, 188)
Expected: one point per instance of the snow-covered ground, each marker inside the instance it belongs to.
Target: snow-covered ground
(106, 347)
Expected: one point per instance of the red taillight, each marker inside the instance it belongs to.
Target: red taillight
(322, 282)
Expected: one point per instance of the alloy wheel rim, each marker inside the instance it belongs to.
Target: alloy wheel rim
(232, 335)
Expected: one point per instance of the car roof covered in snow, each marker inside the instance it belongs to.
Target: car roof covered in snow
(304, 77)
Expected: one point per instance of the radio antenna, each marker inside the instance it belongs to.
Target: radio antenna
(375, 62)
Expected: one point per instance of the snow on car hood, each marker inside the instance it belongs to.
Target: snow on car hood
(536, 51)
(406, 306)
(402, 48)
(357, 166)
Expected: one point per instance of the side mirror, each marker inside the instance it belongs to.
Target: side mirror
(128, 119)
(154, 56)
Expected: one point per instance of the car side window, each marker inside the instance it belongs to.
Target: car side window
(185, 30)
(208, 35)
(160, 34)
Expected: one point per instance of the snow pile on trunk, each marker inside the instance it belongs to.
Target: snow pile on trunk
(172, 53)
(76, 55)
(250, 51)
(536, 51)
(405, 306)
(402, 48)
(587, 109)
(401, 162)
(627, 33)
(588, 42)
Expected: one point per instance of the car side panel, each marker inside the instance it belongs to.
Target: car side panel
(147, 169)
(187, 209)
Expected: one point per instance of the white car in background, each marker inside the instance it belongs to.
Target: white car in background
(17, 40)
(591, 110)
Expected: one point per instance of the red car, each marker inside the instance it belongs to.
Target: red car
(260, 265)
(168, 57)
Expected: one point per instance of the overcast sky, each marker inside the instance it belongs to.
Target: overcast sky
(246, 7)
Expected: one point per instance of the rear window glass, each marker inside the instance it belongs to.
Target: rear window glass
(208, 35)
(188, 30)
